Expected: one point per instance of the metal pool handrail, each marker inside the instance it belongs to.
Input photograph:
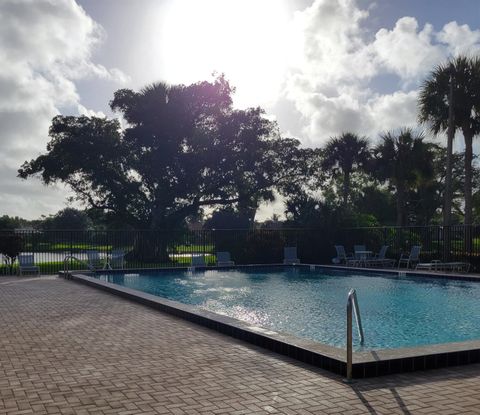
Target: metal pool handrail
(352, 307)
(66, 260)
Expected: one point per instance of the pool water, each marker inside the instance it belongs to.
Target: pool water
(397, 311)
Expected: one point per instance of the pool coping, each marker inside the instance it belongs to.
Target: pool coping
(365, 364)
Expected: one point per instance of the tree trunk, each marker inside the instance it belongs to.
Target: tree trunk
(248, 214)
(400, 206)
(346, 187)
(447, 196)
(468, 135)
(150, 247)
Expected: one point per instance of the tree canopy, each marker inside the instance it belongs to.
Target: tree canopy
(404, 161)
(68, 218)
(450, 100)
(184, 153)
(184, 148)
(343, 156)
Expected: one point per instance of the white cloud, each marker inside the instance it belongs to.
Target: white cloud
(406, 51)
(90, 113)
(329, 35)
(329, 81)
(389, 112)
(333, 83)
(460, 39)
(45, 46)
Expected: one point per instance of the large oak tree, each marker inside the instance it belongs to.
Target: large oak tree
(184, 148)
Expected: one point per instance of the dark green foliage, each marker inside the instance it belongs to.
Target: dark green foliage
(12, 222)
(433, 98)
(377, 201)
(343, 156)
(227, 218)
(87, 154)
(321, 226)
(68, 218)
(186, 151)
(403, 161)
(11, 244)
(264, 247)
(462, 74)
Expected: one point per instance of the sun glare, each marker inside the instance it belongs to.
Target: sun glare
(245, 39)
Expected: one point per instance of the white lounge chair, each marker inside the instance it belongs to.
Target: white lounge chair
(290, 256)
(117, 259)
(198, 261)
(412, 259)
(462, 267)
(26, 263)
(439, 266)
(224, 259)
(94, 261)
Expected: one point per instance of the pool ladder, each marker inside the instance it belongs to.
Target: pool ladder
(352, 308)
(66, 261)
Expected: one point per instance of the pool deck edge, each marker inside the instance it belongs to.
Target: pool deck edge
(365, 364)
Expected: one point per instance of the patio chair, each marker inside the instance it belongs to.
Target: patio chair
(198, 261)
(26, 263)
(380, 259)
(357, 249)
(342, 257)
(412, 259)
(117, 259)
(94, 261)
(290, 256)
(224, 259)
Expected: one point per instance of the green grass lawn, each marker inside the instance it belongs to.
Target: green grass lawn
(186, 249)
(83, 246)
(80, 247)
(65, 246)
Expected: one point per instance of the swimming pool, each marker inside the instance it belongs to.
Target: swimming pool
(397, 311)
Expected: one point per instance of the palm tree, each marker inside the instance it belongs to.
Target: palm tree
(344, 155)
(450, 100)
(403, 160)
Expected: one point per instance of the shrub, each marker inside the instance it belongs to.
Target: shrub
(11, 245)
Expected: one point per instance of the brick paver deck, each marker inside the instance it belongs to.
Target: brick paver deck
(71, 349)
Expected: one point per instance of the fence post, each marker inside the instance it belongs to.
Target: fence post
(446, 243)
(468, 241)
(71, 248)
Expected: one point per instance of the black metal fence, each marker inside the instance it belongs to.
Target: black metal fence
(458, 243)
(152, 249)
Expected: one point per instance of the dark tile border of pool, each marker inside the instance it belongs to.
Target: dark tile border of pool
(365, 364)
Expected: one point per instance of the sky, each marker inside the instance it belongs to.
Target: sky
(319, 67)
